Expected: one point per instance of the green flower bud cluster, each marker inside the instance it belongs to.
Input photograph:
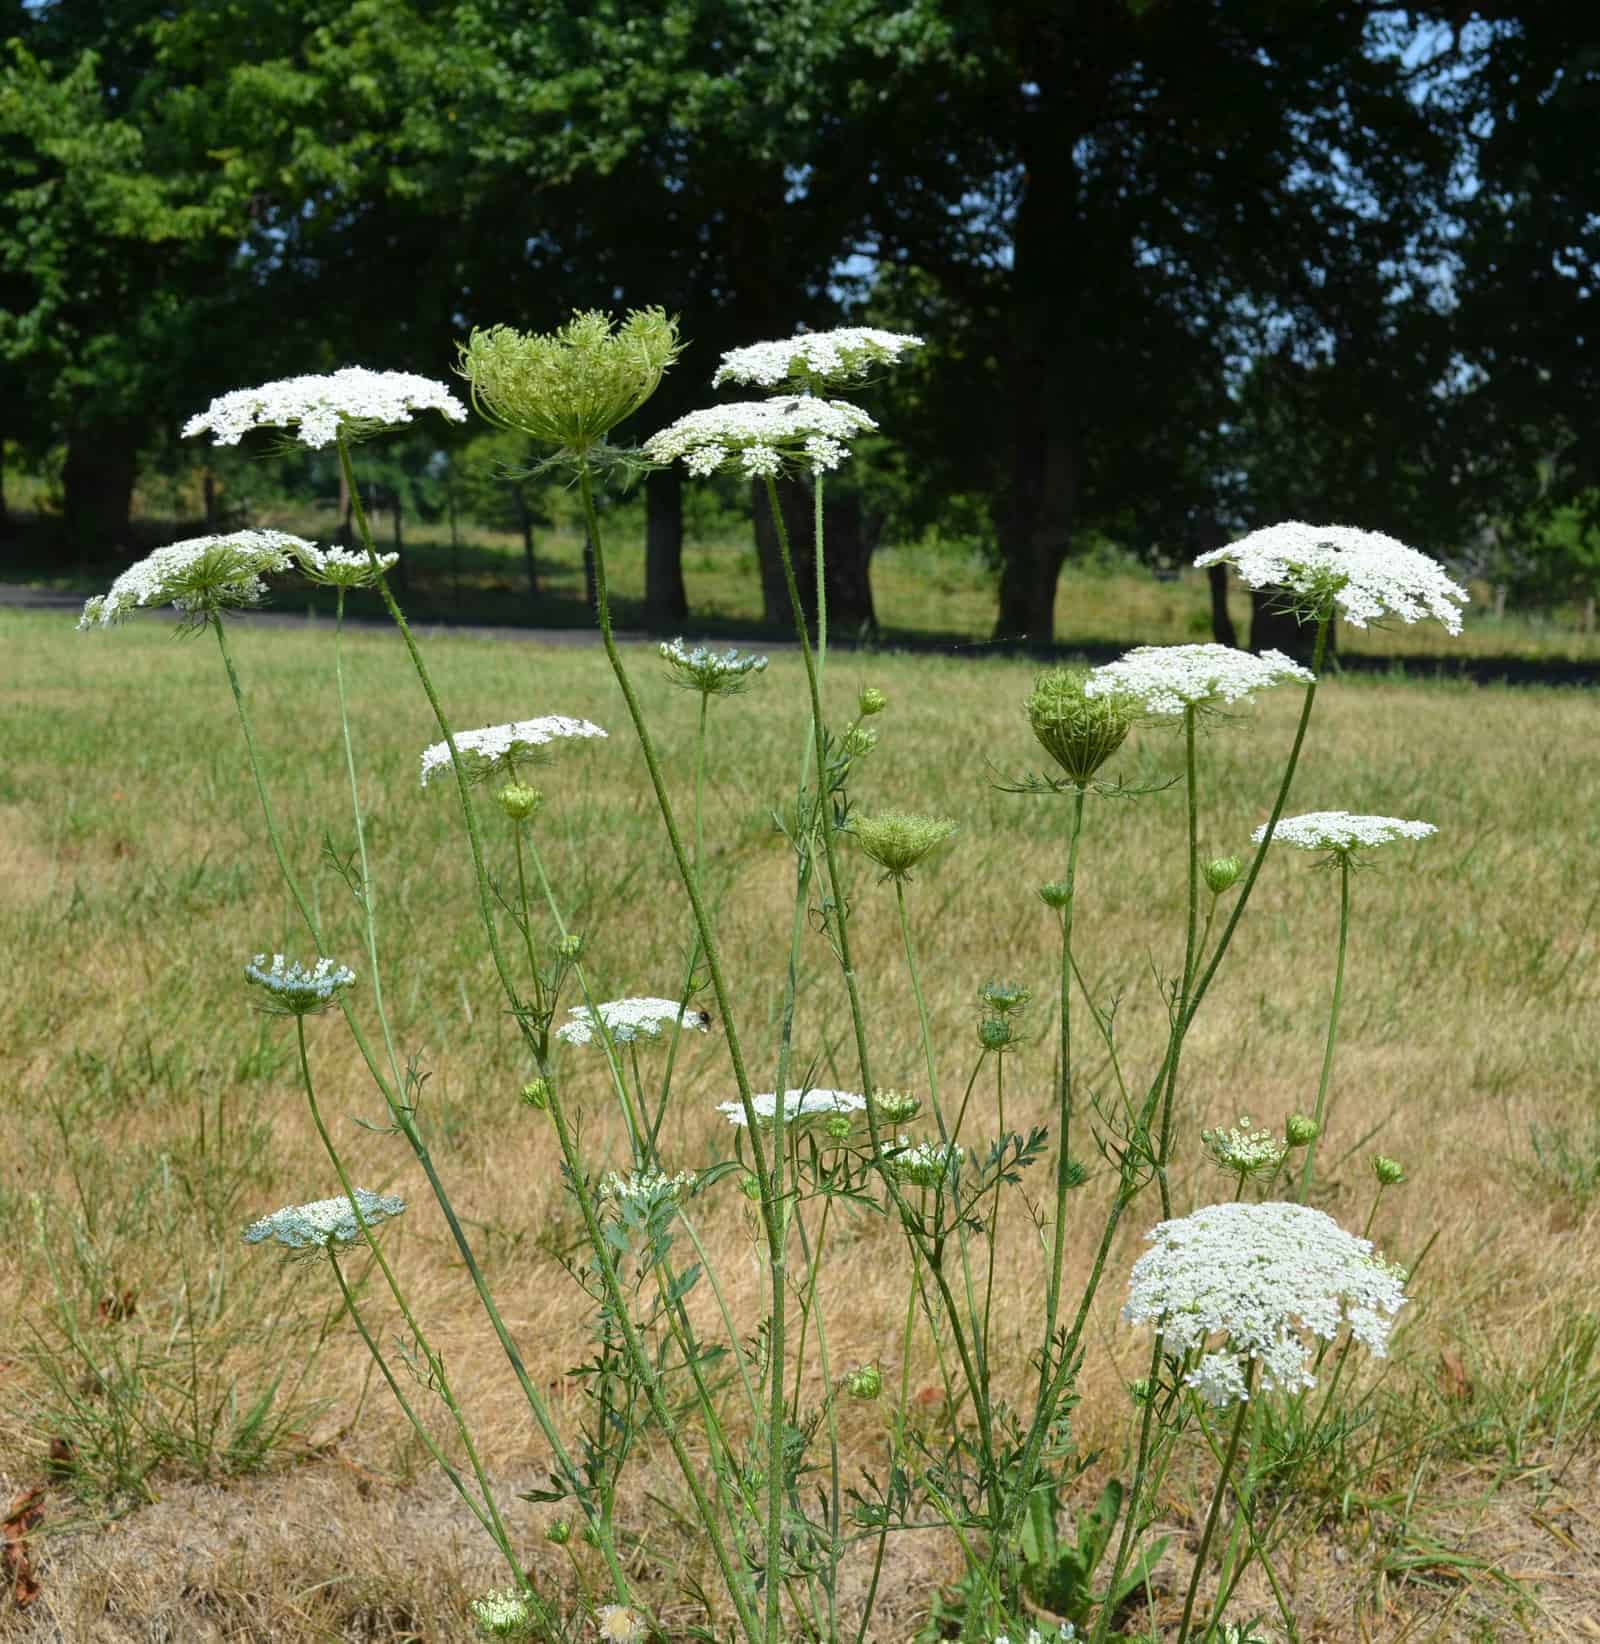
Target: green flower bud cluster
(1222, 874)
(1055, 895)
(898, 840)
(895, 1107)
(1390, 1172)
(858, 742)
(1078, 731)
(1301, 1130)
(570, 946)
(536, 1093)
(570, 387)
(865, 1382)
(520, 802)
(558, 1532)
(871, 701)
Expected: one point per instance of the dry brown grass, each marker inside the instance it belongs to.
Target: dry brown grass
(133, 884)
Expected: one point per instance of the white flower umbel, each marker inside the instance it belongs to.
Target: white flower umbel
(295, 991)
(1244, 1151)
(815, 360)
(924, 1165)
(647, 1187)
(629, 1019)
(341, 567)
(1340, 832)
(1065, 1636)
(758, 437)
(502, 1614)
(1166, 679)
(712, 673)
(199, 575)
(497, 750)
(1366, 574)
(354, 401)
(797, 1105)
(620, 1625)
(325, 1222)
(1265, 1276)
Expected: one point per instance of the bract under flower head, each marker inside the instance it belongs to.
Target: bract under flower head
(294, 990)
(1167, 679)
(815, 360)
(324, 1223)
(1341, 832)
(713, 673)
(497, 750)
(569, 387)
(629, 1019)
(199, 576)
(342, 567)
(1266, 1276)
(761, 437)
(354, 402)
(1366, 574)
(798, 1105)
(898, 840)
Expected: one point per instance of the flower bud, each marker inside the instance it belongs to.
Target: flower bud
(570, 945)
(520, 802)
(994, 1033)
(1222, 874)
(1078, 731)
(1140, 1390)
(1004, 997)
(1075, 1173)
(895, 1107)
(1055, 895)
(838, 1126)
(1300, 1130)
(558, 1532)
(859, 741)
(864, 1383)
(1390, 1172)
(591, 1535)
(750, 1186)
(898, 840)
(871, 701)
(536, 1093)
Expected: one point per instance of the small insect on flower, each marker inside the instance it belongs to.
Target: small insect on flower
(627, 1020)
(815, 360)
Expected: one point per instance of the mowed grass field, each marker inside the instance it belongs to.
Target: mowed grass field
(150, 1112)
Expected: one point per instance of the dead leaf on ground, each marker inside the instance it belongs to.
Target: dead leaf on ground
(1454, 1382)
(25, 1513)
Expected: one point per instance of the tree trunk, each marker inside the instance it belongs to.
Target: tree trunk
(665, 602)
(1035, 518)
(1275, 627)
(1222, 628)
(849, 537)
(525, 520)
(97, 483)
(796, 505)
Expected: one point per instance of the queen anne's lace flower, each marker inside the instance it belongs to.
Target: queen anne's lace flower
(645, 1186)
(715, 673)
(1340, 831)
(1166, 679)
(199, 575)
(629, 1019)
(925, 1164)
(798, 1105)
(293, 989)
(1245, 1151)
(342, 567)
(815, 359)
(324, 1222)
(759, 437)
(620, 1625)
(1366, 574)
(497, 750)
(1266, 1276)
(502, 1614)
(355, 401)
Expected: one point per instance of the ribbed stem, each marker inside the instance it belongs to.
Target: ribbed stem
(1333, 1027)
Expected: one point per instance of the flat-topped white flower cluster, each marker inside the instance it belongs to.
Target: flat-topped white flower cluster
(1265, 1275)
(341, 567)
(318, 408)
(847, 354)
(629, 1019)
(1340, 831)
(797, 1105)
(200, 573)
(1167, 679)
(324, 1222)
(645, 1185)
(293, 988)
(715, 673)
(762, 437)
(1367, 575)
(498, 749)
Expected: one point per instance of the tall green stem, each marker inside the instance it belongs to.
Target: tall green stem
(1333, 1027)
(1216, 1505)
(1058, 1245)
